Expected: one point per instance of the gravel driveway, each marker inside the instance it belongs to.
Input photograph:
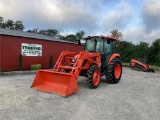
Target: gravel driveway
(135, 97)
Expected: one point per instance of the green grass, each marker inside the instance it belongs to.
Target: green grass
(157, 68)
(125, 64)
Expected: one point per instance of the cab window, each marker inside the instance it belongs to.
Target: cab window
(108, 46)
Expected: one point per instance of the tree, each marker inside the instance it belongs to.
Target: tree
(126, 50)
(52, 32)
(43, 32)
(80, 35)
(9, 24)
(1, 20)
(19, 25)
(70, 37)
(48, 32)
(116, 34)
(2, 25)
(33, 31)
(73, 38)
(154, 52)
(141, 50)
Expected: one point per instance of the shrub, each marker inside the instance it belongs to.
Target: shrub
(36, 67)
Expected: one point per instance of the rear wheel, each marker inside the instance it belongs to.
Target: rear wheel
(93, 77)
(114, 71)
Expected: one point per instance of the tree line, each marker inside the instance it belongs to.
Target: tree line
(55, 33)
(10, 24)
(126, 49)
(18, 25)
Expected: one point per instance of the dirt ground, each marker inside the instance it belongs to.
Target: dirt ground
(135, 97)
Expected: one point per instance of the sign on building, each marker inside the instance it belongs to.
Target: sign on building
(31, 49)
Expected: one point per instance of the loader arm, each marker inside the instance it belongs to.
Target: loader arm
(63, 64)
(62, 78)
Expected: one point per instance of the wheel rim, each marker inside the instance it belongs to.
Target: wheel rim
(96, 77)
(117, 71)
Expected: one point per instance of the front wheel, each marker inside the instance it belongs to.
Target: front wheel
(114, 71)
(93, 77)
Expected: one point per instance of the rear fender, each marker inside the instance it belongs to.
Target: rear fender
(112, 57)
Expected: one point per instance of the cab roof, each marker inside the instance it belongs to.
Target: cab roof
(101, 36)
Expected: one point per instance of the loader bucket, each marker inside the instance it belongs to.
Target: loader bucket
(55, 82)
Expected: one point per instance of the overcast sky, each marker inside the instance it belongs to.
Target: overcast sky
(138, 20)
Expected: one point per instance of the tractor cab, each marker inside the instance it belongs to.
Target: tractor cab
(101, 44)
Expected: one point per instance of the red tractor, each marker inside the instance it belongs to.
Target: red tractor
(141, 64)
(99, 59)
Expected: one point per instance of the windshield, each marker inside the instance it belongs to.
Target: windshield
(94, 45)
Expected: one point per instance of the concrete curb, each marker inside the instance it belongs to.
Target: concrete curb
(24, 72)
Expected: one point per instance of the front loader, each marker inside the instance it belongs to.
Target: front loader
(98, 59)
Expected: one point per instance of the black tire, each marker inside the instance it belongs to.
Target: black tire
(93, 77)
(139, 67)
(111, 75)
(151, 70)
